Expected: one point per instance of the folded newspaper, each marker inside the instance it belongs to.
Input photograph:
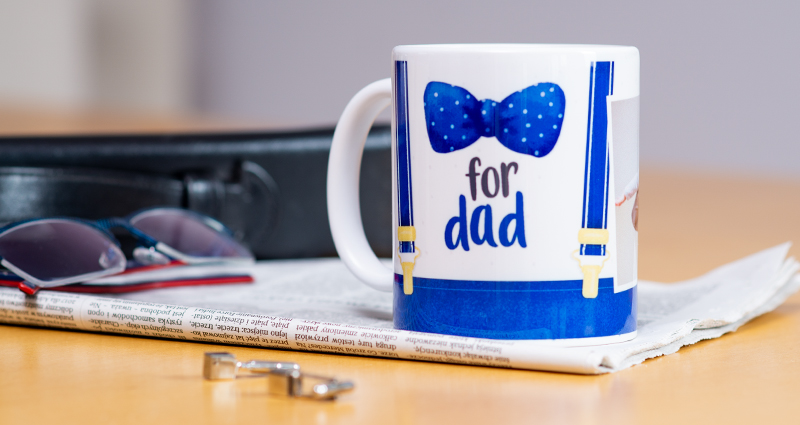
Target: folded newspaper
(317, 305)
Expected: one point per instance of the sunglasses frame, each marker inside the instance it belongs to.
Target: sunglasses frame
(174, 253)
(104, 226)
(67, 280)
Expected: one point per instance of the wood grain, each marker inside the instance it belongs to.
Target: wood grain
(38, 121)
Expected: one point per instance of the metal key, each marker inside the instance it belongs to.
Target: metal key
(217, 366)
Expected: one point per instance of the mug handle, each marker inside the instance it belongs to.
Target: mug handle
(344, 167)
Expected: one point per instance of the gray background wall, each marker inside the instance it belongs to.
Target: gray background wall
(720, 79)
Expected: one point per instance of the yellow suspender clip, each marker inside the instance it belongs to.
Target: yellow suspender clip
(592, 265)
(407, 234)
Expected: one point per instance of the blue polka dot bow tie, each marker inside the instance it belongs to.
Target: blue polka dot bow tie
(528, 121)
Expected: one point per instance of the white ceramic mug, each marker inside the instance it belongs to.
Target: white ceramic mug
(515, 172)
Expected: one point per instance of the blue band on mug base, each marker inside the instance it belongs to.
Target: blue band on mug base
(514, 310)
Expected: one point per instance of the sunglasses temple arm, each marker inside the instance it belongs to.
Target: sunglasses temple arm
(28, 287)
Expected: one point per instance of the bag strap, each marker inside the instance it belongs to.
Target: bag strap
(248, 204)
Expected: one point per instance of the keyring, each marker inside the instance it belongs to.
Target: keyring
(284, 378)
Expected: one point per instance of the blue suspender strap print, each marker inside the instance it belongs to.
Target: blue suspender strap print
(406, 234)
(593, 235)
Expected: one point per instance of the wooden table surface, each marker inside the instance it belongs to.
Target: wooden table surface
(689, 223)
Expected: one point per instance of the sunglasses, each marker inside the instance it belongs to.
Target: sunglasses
(50, 252)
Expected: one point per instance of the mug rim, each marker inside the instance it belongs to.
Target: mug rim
(509, 48)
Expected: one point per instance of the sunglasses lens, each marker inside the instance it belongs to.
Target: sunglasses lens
(55, 250)
(188, 234)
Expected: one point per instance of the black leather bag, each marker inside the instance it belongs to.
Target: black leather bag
(268, 187)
